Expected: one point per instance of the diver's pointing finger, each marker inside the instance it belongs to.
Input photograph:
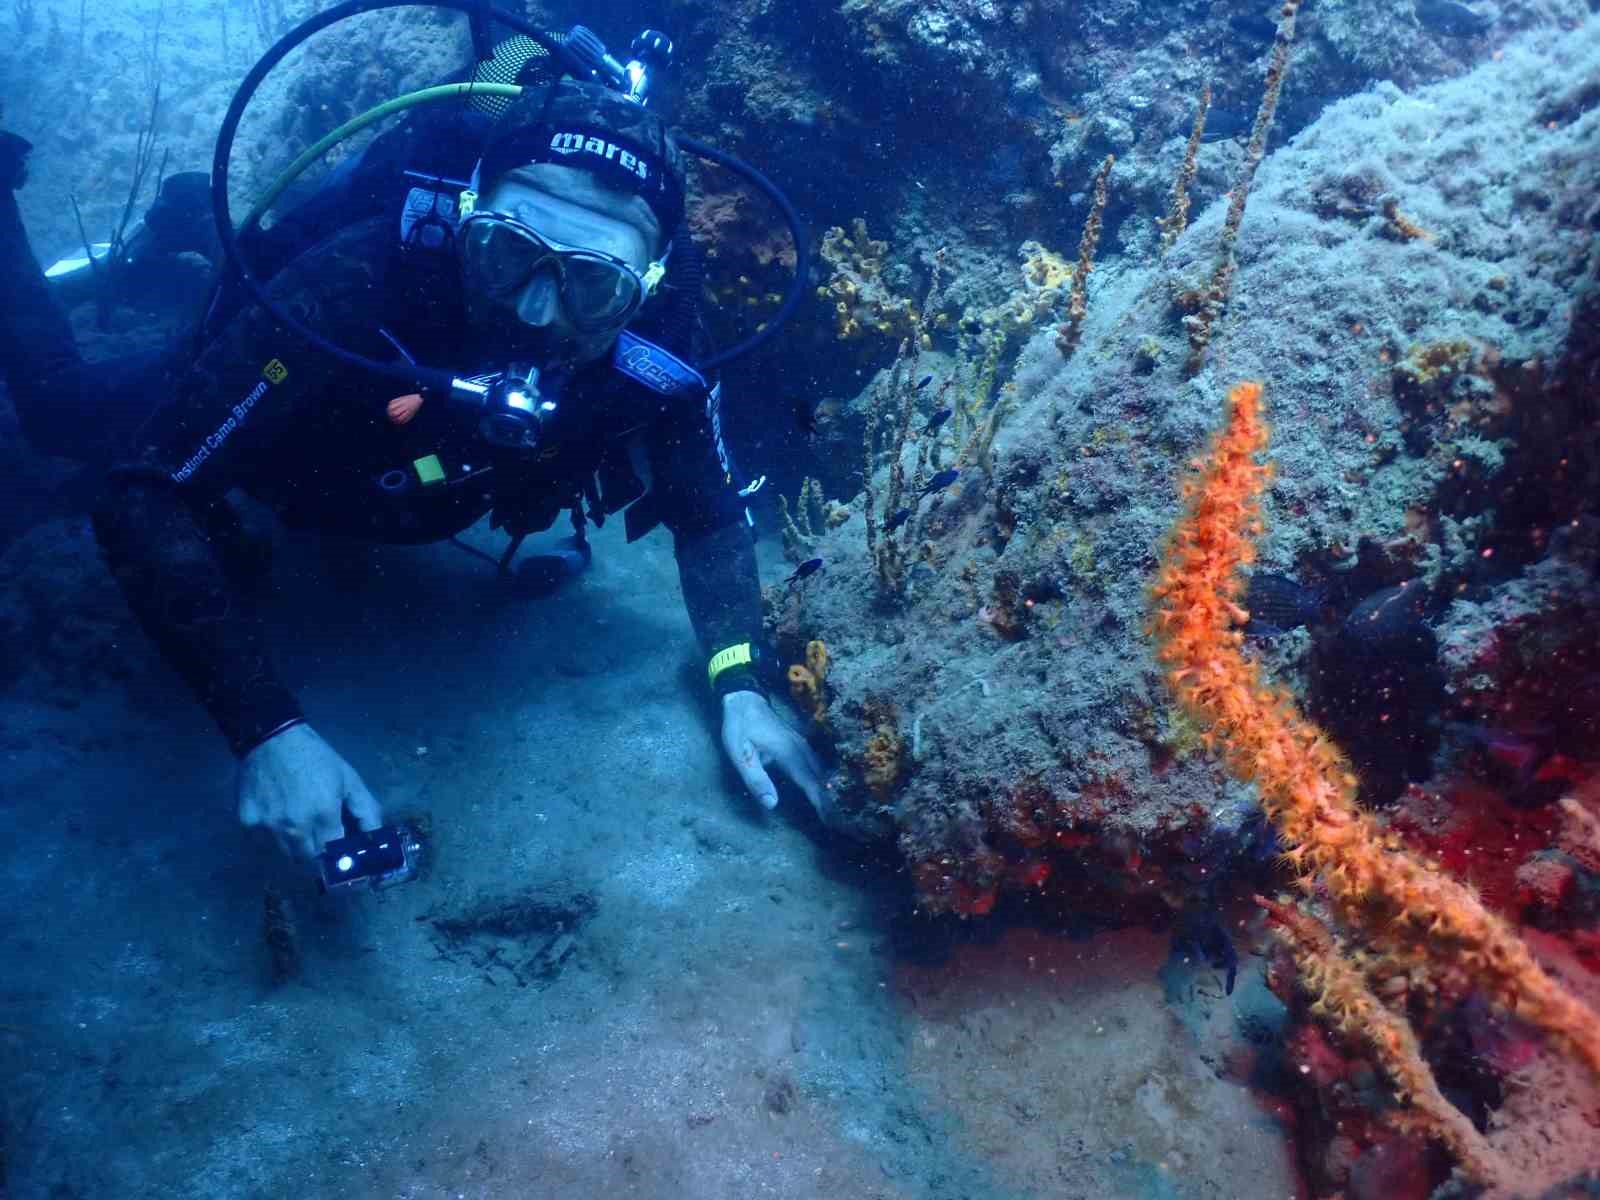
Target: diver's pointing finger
(748, 763)
(326, 828)
(361, 804)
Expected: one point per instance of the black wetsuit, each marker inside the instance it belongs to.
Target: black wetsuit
(66, 406)
(309, 436)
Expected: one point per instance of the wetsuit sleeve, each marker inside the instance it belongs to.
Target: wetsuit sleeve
(168, 532)
(712, 539)
(65, 405)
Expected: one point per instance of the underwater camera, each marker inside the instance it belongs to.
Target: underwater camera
(377, 858)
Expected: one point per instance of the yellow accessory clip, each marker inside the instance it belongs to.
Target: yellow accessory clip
(466, 204)
(734, 656)
(653, 275)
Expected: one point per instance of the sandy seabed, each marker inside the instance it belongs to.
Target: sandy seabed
(617, 977)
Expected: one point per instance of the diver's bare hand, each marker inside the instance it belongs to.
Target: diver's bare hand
(296, 784)
(755, 736)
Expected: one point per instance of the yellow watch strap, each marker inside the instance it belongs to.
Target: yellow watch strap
(734, 656)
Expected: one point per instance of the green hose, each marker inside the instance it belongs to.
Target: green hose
(444, 91)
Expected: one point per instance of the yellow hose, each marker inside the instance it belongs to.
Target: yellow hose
(444, 91)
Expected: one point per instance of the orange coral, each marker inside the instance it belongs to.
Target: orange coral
(1401, 226)
(803, 687)
(806, 682)
(883, 757)
(817, 658)
(1214, 298)
(1343, 998)
(1404, 905)
(1177, 218)
(1070, 330)
(1580, 834)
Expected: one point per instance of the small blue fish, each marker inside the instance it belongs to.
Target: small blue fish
(940, 481)
(1278, 603)
(938, 419)
(899, 519)
(924, 382)
(1223, 125)
(806, 569)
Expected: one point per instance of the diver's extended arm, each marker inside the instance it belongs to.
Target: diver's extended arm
(717, 571)
(171, 537)
(722, 591)
(177, 548)
(176, 557)
(168, 551)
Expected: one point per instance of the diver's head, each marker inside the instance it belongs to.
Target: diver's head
(568, 257)
(579, 194)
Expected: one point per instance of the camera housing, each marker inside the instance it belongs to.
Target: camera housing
(377, 859)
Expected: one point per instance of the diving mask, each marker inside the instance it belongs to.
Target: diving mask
(502, 255)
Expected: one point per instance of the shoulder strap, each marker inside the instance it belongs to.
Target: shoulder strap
(655, 367)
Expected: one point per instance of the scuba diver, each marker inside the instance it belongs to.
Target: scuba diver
(66, 405)
(533, 241)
